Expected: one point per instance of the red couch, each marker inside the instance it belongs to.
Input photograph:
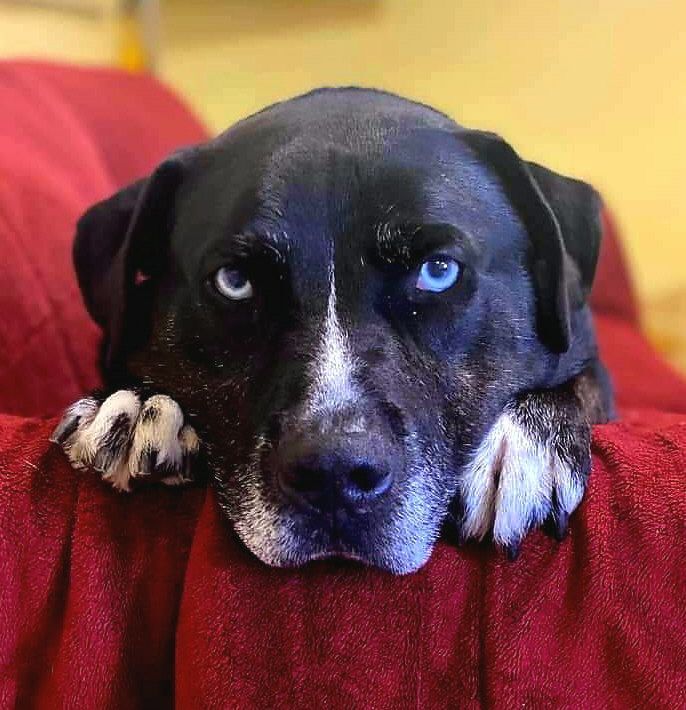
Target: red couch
(109, 600)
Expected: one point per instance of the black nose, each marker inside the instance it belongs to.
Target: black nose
(349, 471)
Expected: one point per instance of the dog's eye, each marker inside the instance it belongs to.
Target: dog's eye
(232, 284)
(438, 275)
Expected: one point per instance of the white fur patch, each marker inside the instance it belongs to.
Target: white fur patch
(509, 483)
(332, 386)
(126, 430)
(78, 448)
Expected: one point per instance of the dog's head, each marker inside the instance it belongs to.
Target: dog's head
(343, 290)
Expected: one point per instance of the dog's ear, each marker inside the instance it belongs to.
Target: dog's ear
(562, 217)
(118, 250)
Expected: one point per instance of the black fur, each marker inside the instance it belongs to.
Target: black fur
(64, 430)
(369, 184)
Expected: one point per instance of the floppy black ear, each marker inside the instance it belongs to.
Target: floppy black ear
(562, 216)
(117, 251)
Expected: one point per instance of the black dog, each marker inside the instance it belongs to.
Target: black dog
(375, 319)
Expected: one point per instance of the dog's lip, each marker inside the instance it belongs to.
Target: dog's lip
(335, 543)
(337, 552)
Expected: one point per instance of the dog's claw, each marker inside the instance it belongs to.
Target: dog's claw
(122, 439)
(101, 460)
(147, 462)
(561, 525)
(64, 429)
(187, 467)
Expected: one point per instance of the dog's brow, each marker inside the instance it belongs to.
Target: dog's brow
(403, 244)
(271, 246)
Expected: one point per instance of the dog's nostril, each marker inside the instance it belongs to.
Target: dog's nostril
(366, 482)
(300, 479)
(307, 480)
(364, 478)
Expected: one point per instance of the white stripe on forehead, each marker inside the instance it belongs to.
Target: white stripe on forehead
(332, 386)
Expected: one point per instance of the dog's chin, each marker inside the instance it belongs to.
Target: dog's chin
(300, 553)
(293, 541)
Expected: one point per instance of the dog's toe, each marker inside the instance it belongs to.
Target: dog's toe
(77, 416)
(162, 444)
(97, 435)
(190, 448)
(107, 440)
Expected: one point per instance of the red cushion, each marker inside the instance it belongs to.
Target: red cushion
(68, 137)
(110, 600)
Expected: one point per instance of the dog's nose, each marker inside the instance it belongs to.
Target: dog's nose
(346, 472)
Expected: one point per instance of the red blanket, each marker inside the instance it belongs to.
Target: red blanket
(108, 600)
(115, 601)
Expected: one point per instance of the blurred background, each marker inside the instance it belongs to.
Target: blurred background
(592, 88)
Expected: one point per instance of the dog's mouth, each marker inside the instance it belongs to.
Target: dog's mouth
(397, 536)
(339, 554)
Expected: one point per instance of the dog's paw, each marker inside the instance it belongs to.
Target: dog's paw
(123, 438)
(531, 469)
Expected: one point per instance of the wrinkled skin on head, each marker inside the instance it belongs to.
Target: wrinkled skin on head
(329, 204)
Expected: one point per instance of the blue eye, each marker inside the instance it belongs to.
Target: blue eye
(438, 275)
(233, 284)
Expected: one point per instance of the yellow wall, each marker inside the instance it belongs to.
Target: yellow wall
(30, 29)
(594, 88)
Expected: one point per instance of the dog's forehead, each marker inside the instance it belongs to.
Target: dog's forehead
(334, 202)
(321, 175)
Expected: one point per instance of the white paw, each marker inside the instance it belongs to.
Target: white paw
(124, 439)
(516, 480)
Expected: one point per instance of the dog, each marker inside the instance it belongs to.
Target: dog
(373, 318)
